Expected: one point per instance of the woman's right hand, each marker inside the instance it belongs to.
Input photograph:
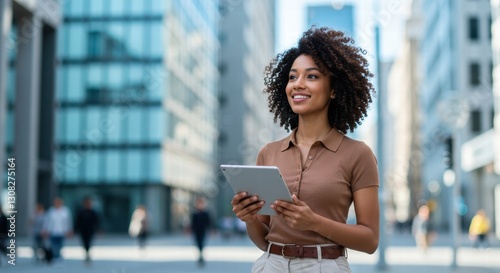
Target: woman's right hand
(246, 207)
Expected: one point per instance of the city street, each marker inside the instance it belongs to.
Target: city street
(175, 254)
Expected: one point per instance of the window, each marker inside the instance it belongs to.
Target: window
(474, 74)
(475, 116)
(473, 28)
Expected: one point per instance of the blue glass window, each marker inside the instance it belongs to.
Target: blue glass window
(60, 126)
(138, 7)
(114, 41)
(74, 83)
(93, 129)
(92, 162)
(156, 37)
(73, 8)
(114, 171)
(117, 7)
(134, 165)
(136, 38)
(73, 128)
(157, 7)
(61, 78)
(134, 124)
(75, 33)
(156, 124)
(67, 166)
(96, 7)
(114, 118)
(154, 163)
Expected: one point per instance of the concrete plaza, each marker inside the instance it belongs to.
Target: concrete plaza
(176, 254)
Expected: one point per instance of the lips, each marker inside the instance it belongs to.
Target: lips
(300, 97)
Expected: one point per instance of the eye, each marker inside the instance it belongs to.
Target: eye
(292, 77)
(312, 76)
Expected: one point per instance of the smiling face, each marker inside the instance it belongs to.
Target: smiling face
(308, 89)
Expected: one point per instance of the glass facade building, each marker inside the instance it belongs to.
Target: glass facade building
(137, 95)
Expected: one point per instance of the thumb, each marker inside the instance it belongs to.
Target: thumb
(297, 201)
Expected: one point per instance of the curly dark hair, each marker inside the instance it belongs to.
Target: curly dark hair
(337, 57)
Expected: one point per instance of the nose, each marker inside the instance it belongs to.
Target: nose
(299, 83)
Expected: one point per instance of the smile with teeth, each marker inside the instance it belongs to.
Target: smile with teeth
(300, 97)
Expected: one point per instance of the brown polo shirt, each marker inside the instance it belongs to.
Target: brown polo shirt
(336, 167)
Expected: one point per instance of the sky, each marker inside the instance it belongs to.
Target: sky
(291, 22)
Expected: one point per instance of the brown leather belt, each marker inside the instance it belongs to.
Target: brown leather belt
(294, 251)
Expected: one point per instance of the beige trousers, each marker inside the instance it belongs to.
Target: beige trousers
(271, 263)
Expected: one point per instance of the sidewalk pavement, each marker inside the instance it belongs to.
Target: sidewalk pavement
(176, 254)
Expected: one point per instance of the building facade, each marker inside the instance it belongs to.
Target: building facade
(495, 32)
(403, 171)
(247, 47)
(455, 96)
(28, 31)
(137, 95)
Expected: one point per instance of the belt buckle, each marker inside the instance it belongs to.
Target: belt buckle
(283, 252)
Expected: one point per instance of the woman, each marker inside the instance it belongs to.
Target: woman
(320, 90)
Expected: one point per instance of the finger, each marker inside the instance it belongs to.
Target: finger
(245, 202)
(297, 201)
(237, 198)
(249, 210)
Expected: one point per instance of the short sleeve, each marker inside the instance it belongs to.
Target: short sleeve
(364, 168)
(261, 156)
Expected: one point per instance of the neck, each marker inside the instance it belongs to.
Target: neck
(310, 132)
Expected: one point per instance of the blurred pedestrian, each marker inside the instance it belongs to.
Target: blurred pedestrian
(37, 222)
(422, 228)
(479, 229)
(200, 224)
(320, 90)
(58, 225)
(87, 224)
(138, 227)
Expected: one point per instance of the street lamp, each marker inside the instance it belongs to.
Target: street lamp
(454, 112)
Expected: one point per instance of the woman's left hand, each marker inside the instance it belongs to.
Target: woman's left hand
(297, 215)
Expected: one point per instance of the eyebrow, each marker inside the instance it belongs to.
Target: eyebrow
(307, 69)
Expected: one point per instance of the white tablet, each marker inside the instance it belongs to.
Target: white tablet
(263, 181)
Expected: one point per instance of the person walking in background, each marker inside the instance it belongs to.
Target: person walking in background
(37, 223)
(200, 224)
(138, 227)
(87, 224)
(422, 229)
(479, 229)
(57, 226)
(320, 90)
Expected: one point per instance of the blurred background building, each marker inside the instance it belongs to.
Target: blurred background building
(137, 117)
(139, 102)
(247, 47)
(27, 101)
(402, 124)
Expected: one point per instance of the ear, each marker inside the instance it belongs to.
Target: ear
(332, 95)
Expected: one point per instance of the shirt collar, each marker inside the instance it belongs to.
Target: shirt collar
(331, 141)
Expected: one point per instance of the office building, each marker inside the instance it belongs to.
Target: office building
(28, 31)
(403, 171)
(247, 47)
(137, 94)
(455, 98)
